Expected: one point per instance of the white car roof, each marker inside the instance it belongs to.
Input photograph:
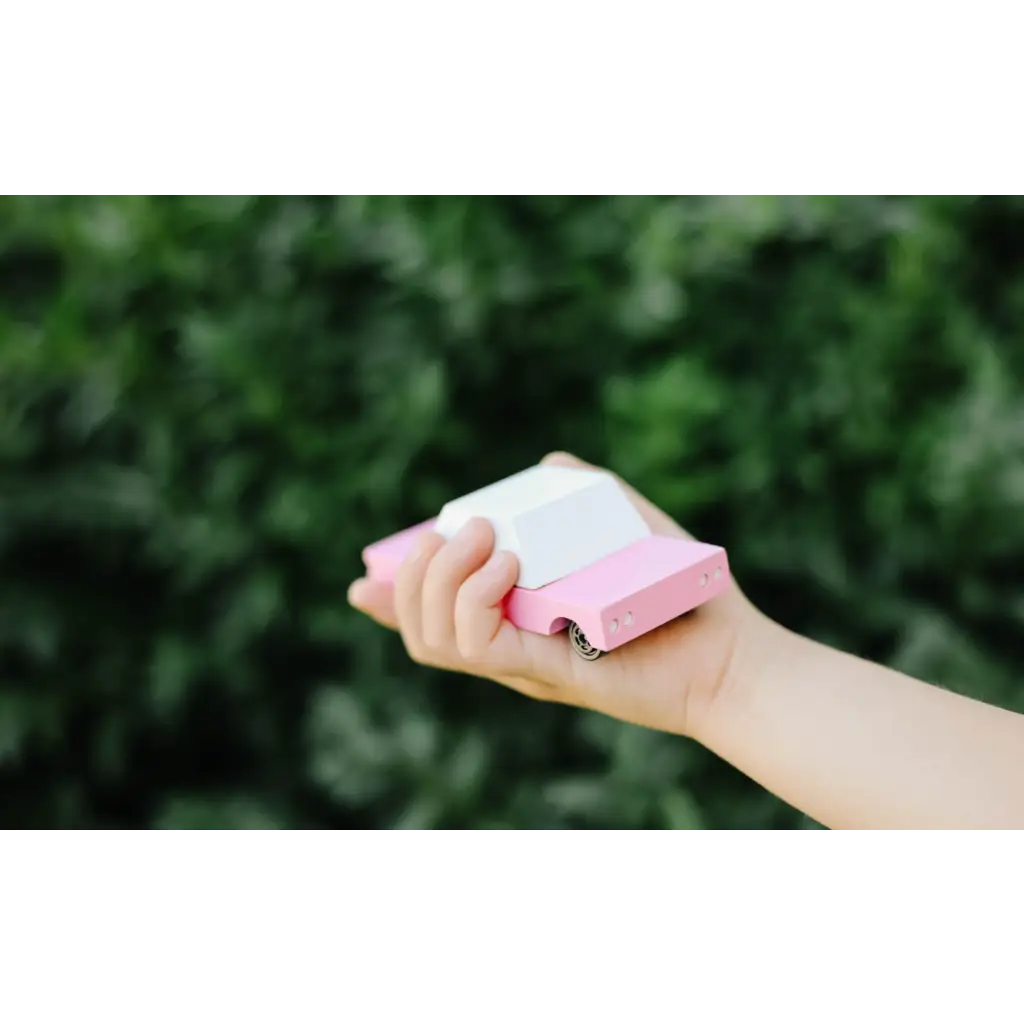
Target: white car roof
(555, 519)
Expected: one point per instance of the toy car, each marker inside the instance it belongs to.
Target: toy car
(587, 560)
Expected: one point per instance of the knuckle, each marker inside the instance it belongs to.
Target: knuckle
(472, 650)
(427, 658)
(416, 654)
(432, 643)
(416, 648)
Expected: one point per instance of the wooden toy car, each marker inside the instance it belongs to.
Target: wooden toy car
(587, 560)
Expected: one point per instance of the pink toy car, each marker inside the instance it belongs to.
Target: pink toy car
(587, 560)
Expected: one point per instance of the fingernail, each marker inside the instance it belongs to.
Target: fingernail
(469, 531)
(496, 565)
(562, 459)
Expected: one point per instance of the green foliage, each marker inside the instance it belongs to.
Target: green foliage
(209, 405)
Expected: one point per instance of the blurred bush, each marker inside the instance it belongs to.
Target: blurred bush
(209, 405)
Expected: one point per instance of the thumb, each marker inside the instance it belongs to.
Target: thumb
(565, 459)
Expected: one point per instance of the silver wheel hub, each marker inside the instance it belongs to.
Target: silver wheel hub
(581, 645)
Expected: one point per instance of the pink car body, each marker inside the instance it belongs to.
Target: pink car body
(611, 601)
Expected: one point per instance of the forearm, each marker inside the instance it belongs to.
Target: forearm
(858, 746)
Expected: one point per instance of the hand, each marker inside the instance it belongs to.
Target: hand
(446, 603)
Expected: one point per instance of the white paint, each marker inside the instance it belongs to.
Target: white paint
(554, 519)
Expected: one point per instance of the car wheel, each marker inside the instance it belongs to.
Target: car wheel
(581, 645)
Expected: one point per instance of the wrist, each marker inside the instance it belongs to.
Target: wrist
(757, 643)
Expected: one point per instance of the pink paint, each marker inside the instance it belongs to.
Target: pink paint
(615, 600)
(383, 558)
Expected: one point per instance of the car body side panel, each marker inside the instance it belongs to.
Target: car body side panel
(615, 600)
(383, 558)
(628, 593)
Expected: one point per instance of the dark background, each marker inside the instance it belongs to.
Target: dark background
(209, 405)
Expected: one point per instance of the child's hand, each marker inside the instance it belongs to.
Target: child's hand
(446, 603)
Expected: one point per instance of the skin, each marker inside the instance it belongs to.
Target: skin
(850, 743)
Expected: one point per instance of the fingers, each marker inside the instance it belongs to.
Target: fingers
(478, 617)
(375, 599)
(450, 567)
(448, 603)
(409, 593)
(658, 521)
